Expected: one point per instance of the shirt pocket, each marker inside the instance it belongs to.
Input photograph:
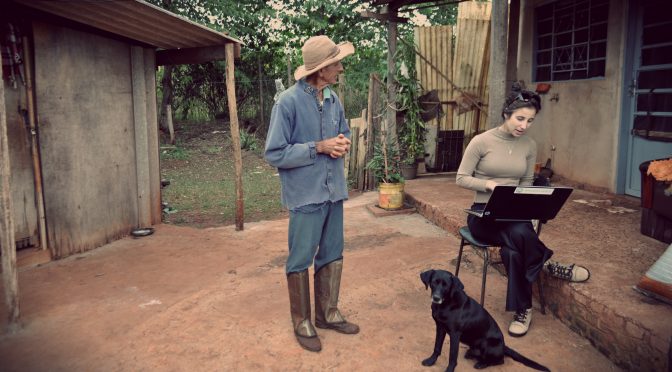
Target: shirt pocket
(333, 124)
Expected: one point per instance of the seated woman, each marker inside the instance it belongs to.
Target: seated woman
(505, 156)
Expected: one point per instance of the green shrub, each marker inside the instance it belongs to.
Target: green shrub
(176, 153)
(248, 141)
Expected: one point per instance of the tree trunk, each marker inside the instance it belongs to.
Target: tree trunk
(167, 89)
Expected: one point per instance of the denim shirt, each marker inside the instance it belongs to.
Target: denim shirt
(298, 121)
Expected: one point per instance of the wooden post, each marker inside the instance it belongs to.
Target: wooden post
(235, 135)
(512, 57)
(141, 141)
(10, 276)
(371, 112)
(391, 122)
(35, 152)
(497, 69)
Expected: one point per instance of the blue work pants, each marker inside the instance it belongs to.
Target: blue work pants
(315, 233)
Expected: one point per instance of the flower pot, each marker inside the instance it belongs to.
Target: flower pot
(409, 171)
(391, 195)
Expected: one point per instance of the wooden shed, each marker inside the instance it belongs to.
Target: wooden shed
(89, 138)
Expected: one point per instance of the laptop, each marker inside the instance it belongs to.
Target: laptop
(524, 203)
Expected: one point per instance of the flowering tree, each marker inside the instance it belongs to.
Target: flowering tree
(273, 32)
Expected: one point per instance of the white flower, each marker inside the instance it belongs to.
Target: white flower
(419, 19)
(403, 69)
(275, 24)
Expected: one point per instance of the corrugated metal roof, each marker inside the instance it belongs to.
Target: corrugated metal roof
(136, 20)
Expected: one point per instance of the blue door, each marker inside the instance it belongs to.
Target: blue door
(649, 109)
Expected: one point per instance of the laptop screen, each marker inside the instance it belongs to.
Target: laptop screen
(526, 202)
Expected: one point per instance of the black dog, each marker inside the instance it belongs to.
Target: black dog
(466, 321)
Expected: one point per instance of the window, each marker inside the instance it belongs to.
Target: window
(571, 40)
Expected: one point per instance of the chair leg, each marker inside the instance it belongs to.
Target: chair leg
(486, 262)
(459, 258)
(542, 300)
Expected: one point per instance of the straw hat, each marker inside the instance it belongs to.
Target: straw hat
(320, 51)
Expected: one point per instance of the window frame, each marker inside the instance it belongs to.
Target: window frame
(578, 51)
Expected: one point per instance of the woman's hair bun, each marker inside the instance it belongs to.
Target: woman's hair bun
(516, 87)
(527, 99)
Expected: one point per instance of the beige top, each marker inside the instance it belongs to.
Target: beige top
(498, 156)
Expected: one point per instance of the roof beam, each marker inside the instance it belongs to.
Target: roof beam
(187, 56)
(396, 4)
(385, 17)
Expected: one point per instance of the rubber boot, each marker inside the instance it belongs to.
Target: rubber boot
(327, 284)
(299, 307)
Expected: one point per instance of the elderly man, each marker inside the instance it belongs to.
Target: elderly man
(307, 139)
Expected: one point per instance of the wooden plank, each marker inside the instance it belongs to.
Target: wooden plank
(141, 142)
(10, 276)
(361, 148)
(156, 210)
(235, 135)
(351, 156)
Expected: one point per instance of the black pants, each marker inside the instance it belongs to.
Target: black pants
(522, 252)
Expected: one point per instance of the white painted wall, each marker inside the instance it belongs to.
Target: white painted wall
(584, 122)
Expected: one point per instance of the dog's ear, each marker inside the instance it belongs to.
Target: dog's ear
(426, 277)
(457, 282)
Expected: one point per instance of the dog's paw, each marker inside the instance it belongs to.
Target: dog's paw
(481, 365)
(430, 361)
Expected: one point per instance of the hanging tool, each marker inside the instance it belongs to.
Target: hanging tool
(16, 56)
(12, 77)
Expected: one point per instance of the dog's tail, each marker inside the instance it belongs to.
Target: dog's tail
(519, 358)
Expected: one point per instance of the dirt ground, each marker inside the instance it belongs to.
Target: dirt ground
(216, 299)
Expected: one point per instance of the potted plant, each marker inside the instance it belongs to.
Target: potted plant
(385, 166)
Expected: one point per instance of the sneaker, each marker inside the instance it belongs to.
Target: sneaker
(573, 273)
(521, 323)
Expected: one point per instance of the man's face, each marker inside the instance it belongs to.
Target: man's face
(330, 73)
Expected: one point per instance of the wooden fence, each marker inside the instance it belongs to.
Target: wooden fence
(472, 58)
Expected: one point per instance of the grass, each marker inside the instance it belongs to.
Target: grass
(202, 179)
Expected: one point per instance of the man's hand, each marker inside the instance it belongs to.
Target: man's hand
(335, 147)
